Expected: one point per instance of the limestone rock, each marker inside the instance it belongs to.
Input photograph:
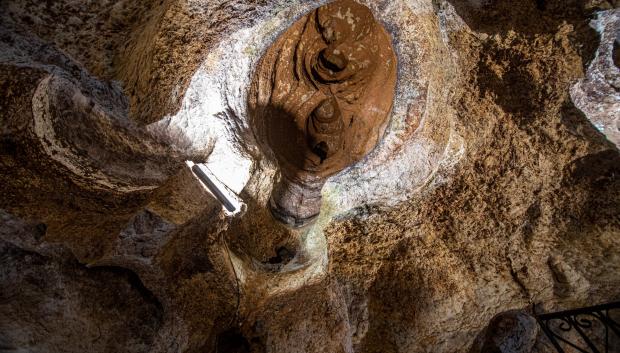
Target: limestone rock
(493, 189)
(319, 101)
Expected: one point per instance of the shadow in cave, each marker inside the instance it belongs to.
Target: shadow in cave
(109, 306)
(134, 282)
(616, 53)
(596, 175)
(258, 234)
(519, 76)
(532, 18)
(398, 299)
(515, 89)
(527, 17)
(278, 135)
(232, 341)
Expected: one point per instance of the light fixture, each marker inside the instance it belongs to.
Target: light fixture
(231, 203)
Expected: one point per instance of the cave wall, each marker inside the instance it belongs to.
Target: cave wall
(493, 194)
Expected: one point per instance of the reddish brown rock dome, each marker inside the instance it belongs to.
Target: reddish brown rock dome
(320, 101)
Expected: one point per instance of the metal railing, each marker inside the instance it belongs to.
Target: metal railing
(587, 330)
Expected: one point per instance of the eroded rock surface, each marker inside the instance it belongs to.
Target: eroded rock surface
(492, 195)
(320, 100)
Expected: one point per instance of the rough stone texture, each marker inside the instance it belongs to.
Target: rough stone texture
(492, 196)
(319, 101)
(47, 299)
(151, 47)
(511, 331)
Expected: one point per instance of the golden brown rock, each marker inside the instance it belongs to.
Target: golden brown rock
(320, 101)
(521, 219)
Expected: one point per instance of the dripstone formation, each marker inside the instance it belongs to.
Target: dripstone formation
(320, 100)
(493, 197)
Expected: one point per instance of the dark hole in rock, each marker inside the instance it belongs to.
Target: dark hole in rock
(193, 264)
(6, 346)
(616, 53)
(515, 329)
(597, 170)
(283, 256)
(41, 229)
(8, 147)
(321, 150)
(232, 341)
(540, 4)
(332, 61)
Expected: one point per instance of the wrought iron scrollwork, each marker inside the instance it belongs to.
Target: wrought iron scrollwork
(587, 330)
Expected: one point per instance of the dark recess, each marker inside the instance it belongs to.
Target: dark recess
(232, 341)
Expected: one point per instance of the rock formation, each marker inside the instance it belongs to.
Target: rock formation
(491, 194)
(320, 100)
